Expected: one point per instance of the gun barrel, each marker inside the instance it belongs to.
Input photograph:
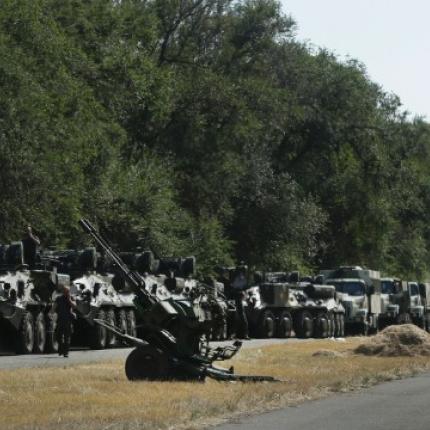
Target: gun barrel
(133, 278)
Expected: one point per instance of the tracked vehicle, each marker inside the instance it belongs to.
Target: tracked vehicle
(169, 344)
(26, 296)
(281, 304)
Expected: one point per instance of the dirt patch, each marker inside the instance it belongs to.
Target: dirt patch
(405, 340)
(328, 353)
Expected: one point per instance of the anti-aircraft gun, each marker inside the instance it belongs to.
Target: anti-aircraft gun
(169, 343)
(25, 302)
(280, 302)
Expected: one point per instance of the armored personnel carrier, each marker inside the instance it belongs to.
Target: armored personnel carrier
(175, 277)
(25, 302)
(98, 295)
(359, 291)
(280, 303)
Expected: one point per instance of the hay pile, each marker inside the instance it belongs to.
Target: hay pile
(328, 353)
(396, 341)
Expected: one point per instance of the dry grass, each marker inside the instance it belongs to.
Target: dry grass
(98, 396)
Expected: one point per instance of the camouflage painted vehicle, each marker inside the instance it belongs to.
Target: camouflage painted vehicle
(26, 298)
(98, 295)
(359, 291)
(170, 343)
(175, 277)
(281, 304)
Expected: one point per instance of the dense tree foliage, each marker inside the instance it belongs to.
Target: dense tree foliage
(204, 127)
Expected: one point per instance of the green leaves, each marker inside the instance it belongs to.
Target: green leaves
(203, 127)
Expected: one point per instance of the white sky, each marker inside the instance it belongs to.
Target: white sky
(391, 37)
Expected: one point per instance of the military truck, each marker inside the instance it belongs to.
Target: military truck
(26, 298)
(359, 291)
(281, 303)
(424, 289)
(98, 295)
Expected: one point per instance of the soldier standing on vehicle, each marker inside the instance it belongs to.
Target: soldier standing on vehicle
(239, 286)
(64, 306)
(30, 242)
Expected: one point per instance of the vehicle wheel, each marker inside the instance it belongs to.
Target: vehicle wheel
(147, 362)
(331, 324)
(111, 339)
(98, 335)
(285, 325)
(304, 325)
(121, 322)
(25, 338)
(51, 344)
(342, 325)
(266, 325)
(131, 323)
(321, 329)
(39, 334)
(421, 322)
(336, 325)
(428, 322)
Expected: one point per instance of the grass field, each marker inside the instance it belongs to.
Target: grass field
(98, 396)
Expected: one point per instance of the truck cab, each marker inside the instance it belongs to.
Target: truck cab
(359, 291)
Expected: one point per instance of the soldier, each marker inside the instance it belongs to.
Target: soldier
(238, 287)
(30, 242)
(64, 305)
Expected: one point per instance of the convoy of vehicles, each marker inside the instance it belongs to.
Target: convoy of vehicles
(346, 300)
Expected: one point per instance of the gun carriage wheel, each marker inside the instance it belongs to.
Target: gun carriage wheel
(147, 363)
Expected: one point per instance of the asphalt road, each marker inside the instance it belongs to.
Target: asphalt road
(397, 405)
(90, 356)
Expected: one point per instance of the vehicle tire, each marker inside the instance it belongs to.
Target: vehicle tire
(304, 325)
(121, 321)
(25, 335)
(131, 323)
(111, 339)
(284, 326)
(147, 362)
(427, 317)
(342, 325)
(336, 328)
(51, 344)
(266, 325)
(98, 334)
(39, 334)
(331, 324)
(321, 326)
(421, 322)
